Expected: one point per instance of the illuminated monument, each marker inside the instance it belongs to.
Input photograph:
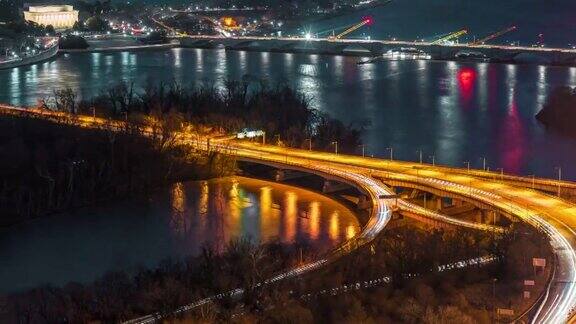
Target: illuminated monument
(60, 17)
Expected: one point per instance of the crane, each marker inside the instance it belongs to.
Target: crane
(450, 36)
(364, 22)
(495, 35)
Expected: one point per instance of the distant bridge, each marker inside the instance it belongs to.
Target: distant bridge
(361, 47)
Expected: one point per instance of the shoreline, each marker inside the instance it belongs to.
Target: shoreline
(39, 58)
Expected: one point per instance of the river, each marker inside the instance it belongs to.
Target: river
(456, 112)
(174, 223)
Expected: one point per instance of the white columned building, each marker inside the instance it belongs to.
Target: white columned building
(60, 17)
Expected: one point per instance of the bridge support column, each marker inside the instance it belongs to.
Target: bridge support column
(457, 202)
(363, 202)
(439, 203)
(280, 175)
(333, 186)
(479, 216)
(283, 175)
(490, 217)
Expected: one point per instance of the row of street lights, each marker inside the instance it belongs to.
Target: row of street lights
(433, 158)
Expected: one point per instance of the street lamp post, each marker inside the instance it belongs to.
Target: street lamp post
(559, 178)
(501, 173)
(467, 164)
(309, 143)
(335, 143)
(483, 163)
(263, 138)
(433, 160)
(419, 155)
(363, 146)
(391, 149)
(533, 176)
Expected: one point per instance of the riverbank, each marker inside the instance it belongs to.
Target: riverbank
(29, 60)
(50, 167)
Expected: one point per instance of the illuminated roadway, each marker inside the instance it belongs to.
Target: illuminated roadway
(389, 42)
(554, 216)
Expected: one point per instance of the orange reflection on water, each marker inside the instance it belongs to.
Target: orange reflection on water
(178, 197)
(178, 219)
(204, 199)
(269, 220)
(334, 226)
(350, 231)
(314, 220)
(234, 209)
(290, 216)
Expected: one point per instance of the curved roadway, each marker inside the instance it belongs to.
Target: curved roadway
(556, 217)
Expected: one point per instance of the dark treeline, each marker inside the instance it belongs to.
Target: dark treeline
(120, 296)
(559, 113)
(47, 167)
(455, 296)
(278, 110)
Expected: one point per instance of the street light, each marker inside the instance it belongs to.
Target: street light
(559, 178)
(309, 143)
(391, 149)
(533, 176)
(419, 155)
(433, 160)
(501, 173)
(467, 164)
(483, 163)
(263, 138)
(363, 149)
(335, 143)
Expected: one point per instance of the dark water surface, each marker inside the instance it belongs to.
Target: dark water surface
(177, 222)
(455, 111)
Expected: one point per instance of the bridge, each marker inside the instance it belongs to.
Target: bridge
(525, 199)
(445, 47)
(511, 195)
(363, 47)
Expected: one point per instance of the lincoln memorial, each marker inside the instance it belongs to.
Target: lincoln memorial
(60, 17)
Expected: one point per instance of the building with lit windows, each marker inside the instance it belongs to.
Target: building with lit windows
(60, 17)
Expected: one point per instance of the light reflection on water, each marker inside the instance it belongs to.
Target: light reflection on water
(174, 223)
(259, 210)
(455, 111)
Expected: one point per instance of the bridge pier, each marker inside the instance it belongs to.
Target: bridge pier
(490, 217)
(333, 186)
(284, 175)
(363, 202)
